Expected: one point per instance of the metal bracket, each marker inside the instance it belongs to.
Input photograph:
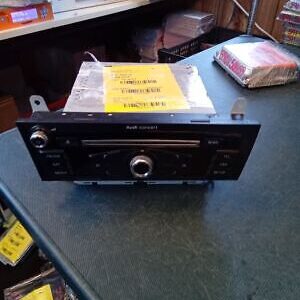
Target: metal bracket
(238, 109)
(38, 103)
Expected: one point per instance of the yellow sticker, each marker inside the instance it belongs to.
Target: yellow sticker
(142, 88)
(42, 293)
(15, 243)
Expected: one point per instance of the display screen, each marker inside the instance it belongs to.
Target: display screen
(24, 15)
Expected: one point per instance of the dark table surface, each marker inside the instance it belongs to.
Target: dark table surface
(237, 240)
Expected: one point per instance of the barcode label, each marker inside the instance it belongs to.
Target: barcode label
(142, 88)
(136, 82)
(145, 104)
(151, 90)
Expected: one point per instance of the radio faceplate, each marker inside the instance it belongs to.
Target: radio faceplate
(137, 147)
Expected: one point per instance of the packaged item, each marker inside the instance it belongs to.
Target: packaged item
(289, 16)
(258, 64)
(14, 244)
(48, 285)
(288, 25)
(293, 5)
(117, 87)
(190, 23)
(291, 36)
(186, 25)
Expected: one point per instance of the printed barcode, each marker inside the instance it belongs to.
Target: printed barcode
(141, 91)
(145, 104)
(134, 82)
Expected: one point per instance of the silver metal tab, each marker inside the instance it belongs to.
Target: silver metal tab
(238, 109)
(38, 103)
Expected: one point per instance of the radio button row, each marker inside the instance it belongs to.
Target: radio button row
(223, 163)
(56, 168)
(54, 162)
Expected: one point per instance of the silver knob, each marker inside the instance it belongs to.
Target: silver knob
(141, 166)
(39, 139)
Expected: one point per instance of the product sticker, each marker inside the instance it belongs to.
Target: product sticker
(142, 88)
(15, 243)
(42, 293)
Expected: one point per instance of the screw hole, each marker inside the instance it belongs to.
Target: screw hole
(37, 102)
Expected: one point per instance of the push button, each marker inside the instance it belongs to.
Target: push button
(185, 162)
(223, 142)
(214, 142)
(57, 164)
(219, 172)
(52, 154)
(223, 165)
(67, 142)
(60, 172)
(227, 155)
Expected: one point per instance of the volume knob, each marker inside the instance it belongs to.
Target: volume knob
(39, 139)
(141, 166)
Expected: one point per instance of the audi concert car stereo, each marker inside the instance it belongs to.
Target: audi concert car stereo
(137, 147)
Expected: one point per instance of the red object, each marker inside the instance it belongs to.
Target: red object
(258, 64)
(22, 16)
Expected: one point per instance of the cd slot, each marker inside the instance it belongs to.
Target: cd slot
(142, 143)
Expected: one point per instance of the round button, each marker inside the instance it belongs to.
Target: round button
(141, 166)
(39, 139)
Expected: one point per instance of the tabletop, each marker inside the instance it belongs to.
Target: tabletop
(234, 240)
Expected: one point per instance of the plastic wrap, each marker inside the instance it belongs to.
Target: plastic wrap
(258, 64)
(190, 23)
(183, 26)
(290, 16)
(140, 90)
(291, 21)
(291, 36)
(14, 244)
(288, 25)
(293, 5)
(48, 284)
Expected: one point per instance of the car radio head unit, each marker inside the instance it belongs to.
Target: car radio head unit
(126, 123)
(137, 147)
